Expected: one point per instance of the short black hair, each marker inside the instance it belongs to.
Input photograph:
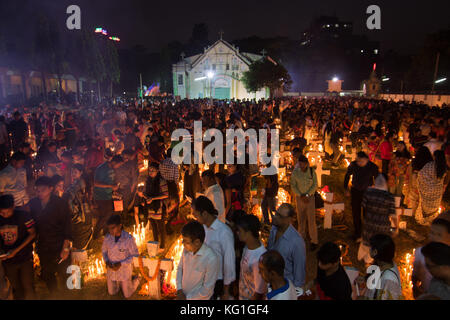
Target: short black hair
(437, 252)
(329, 252)
(6, 201)
(362, 154)
(303, 159)
(44, 181)
(250, 223)
(67, 154)
(117, 159)
(19, 156)
(51, 144)
(154, 165)
(128, 152)
(291, 210)
(273, 261)
(114, 220)
(208, 173)
(78, 166)
(194, 230)
(442, 222)
(202, 203)
(385, 247)
(56, 179)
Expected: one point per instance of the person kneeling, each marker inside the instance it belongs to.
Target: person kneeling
(119, 248)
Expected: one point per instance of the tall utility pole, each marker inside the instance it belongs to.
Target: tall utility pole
(435, 71)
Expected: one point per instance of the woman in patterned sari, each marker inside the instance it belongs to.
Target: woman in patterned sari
(431, 188)
(398, 170)
(422, 157)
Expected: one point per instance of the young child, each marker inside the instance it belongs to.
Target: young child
(271, 268)
(119, 248)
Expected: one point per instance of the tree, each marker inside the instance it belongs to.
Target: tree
(264, 73)
(111, 59)
(93, 59)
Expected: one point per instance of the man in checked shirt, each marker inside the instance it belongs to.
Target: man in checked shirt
(170, 172)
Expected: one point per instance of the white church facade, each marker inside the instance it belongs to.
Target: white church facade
(215, 73)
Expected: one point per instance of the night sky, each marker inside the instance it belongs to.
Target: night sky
(155, 23)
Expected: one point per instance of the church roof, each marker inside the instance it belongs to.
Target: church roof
(247, 58)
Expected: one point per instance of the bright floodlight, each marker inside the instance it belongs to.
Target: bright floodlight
(210, 74)
(385, 79)
(441, 80)
(335, 79)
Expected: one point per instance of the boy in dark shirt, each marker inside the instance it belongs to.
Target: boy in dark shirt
(54, 229)
(332, 282)
(17, 233)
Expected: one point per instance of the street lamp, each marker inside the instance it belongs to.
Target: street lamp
(441, 80)
(335, 79)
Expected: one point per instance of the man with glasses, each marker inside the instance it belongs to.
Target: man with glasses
(289, 243)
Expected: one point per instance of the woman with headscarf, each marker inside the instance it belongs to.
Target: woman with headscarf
(430, 181)
(379, 208)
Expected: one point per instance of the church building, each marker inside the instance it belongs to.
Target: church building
(216, 73)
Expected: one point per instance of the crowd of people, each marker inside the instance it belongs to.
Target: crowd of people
(71, 177)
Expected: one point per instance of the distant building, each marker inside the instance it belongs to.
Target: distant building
(28, 84)
(215, 73)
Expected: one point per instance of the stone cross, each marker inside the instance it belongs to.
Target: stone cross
(264, 52)
(221, 34)
(154, 287)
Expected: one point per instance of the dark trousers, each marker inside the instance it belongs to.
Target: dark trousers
(159, 232)
(268, 205)
(104, 211)
(385, 167)
(3, 155)
(52, 271)
(218, 290)
(357, 196)
(21, 276)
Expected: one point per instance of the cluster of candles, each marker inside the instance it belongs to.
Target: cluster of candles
(95, 269)
(282, 197)
(406, 273)
(139, 234)
(170, 279)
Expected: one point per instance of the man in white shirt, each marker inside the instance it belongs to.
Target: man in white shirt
(271, 268)
(13, 180)
(219, 237)
(214, 192)
(199, 265)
